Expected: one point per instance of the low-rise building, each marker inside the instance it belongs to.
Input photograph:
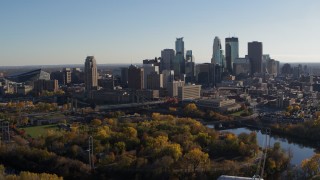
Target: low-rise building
(189, 92)
(219, 104)
(45, 85)
(172, 87)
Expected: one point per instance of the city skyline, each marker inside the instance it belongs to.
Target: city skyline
(47, 33)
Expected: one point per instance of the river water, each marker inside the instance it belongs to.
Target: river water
(299, 151)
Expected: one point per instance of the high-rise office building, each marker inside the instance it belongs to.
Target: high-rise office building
(255, 52)
(179, 61)
(124, 76)
(167, 58)
(189, 56)
(241, 66)
(272, 66)
(45, 85)
(149, 66)
(265, 58)
(168, 76)
(206, 74)
(155, 81)
(297, 71)
(107, 82)
(217, 53)
(90, 73)
(232, 52)
(172, 88)
(135, 77)
(190, 67)
(66, 76)
(286, 69)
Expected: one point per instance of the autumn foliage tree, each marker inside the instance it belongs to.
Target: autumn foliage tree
(311, 167)
(197, 159)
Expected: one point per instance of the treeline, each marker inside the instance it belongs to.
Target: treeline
(26, 175)
(191, 110)
(309, 130)
(23, 158)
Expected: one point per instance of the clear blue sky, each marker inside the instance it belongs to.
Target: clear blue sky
(34, 32)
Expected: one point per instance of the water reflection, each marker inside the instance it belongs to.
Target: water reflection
(299, 151)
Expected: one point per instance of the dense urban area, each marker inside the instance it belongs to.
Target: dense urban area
(167, 118)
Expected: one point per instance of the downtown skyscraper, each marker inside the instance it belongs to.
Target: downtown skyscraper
(217, 53)
(167, 59)
(190, 67)
(179, 61)
(255, 53)
(232, 52)
(90, 73)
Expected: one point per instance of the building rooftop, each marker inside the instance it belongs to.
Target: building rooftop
(29, 76)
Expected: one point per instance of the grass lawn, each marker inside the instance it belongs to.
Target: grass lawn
(237, 113)
(36, 131)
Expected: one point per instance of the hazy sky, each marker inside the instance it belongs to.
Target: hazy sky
(34, 32)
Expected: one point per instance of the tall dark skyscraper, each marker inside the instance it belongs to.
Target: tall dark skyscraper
(135, 77)
(90, 73)
(232, 52)
(190, 67)
(124, 76)
(167, 58)
(255, 52)
(179, 62)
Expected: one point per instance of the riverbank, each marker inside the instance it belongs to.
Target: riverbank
(298, 151)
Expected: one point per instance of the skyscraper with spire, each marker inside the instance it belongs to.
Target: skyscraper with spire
(90, 73)
(217, 56)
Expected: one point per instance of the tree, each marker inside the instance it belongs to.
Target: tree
(277, 160)
(130, 132)
(96, 122)
(296, 108)
(311, 167)
(120, 147)
(25, 120)
(196, 158)
(172, 150)
(1, 170)
(103, 132)
(190, 108)
(203, 139)
(165, 163)
(289, 108)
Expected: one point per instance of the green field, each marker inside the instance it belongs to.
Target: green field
(237, 113)
(36, 131)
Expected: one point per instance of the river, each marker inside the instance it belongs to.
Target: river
(299, 152)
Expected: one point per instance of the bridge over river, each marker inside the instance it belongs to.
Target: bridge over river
(128, 106)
